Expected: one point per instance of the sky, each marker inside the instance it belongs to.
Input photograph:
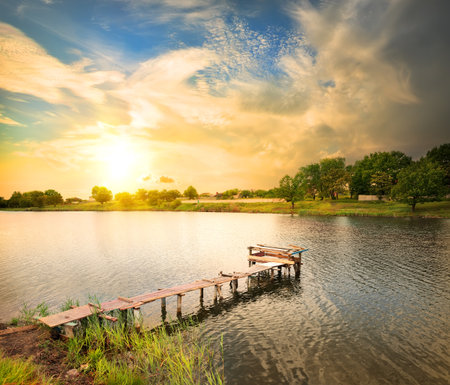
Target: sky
(212, 93)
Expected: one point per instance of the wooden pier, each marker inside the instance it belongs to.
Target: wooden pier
(261, 258)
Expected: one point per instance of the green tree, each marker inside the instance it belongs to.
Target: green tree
(191, 193)
(53, 197)
(441, 155)
(388, 162)
(292, 189)
(422, 181)
(380, 184)
(15, 199)
(334, 177)
(312, 179)
(153, 197)
(33, 199)
(125, 199)
(142, 194)
(3, 203)
(169, 195)
(246, 194)
(101, 194)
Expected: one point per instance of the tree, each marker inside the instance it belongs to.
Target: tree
(15, 199)
(422, 181)
(388, 162)
(3, 203)
(53, 197)
(142, 194)
(101, 194)
(169, 195)
(312, 179)
(333, 177)
(292, 189)
(441, 155)
(33, 199)
(380, 184)
(125, 198)
(191, 193)
(153, 197)
(246, 194)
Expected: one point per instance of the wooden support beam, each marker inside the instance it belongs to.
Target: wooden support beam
(179, 298)
(107, 317)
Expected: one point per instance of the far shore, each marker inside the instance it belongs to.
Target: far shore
(340, 207)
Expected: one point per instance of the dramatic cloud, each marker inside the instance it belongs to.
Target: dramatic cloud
(236, 103)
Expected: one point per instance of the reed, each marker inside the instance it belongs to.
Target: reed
(117, 354)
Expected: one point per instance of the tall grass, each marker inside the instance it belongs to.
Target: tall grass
(117, 354)
(16, 371)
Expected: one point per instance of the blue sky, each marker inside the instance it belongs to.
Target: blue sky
(213, 93)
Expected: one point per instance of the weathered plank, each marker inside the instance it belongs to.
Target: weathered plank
(7, 331)
(270, 259)
(124, 303)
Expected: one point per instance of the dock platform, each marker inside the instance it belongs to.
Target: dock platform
(261, 258)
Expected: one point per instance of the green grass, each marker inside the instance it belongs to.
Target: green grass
(17, 371)
(340, 207)
(116, 354)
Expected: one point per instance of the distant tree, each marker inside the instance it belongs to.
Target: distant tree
(312, 179)
(125, 199)
(422, 181)
(142, 194)
(101, 194)
(334, 177)
(388, 162)
(15, 199)
(191, 193)
(380, 184)
(3, 203)
(292, 189)
(229, 194)
(33, 199)
(169, 195)
(53, 197)
(153, 197)
(260, 193)
(441, 155)
(246, 194)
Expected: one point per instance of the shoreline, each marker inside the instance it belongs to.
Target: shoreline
(343, 207)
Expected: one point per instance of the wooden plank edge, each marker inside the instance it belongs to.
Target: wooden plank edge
(8, 331)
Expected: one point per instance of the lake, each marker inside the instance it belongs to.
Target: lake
(372, 304)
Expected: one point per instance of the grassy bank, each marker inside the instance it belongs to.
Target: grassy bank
(111, 353)
(341, 207)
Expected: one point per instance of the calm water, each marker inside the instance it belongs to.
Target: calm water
(372, 305)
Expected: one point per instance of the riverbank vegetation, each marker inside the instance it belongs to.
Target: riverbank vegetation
(386, 176)
(112, 353)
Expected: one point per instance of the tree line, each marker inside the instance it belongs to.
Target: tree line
(392, 175)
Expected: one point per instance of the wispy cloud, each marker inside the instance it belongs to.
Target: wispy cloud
(25, 67)
(8, 121)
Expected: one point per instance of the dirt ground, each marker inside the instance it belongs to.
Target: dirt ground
(49, 354)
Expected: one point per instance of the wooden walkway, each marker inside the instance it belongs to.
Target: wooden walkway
(265, 258)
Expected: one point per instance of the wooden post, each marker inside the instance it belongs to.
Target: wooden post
(180, 296)
(271, 274)
(234, 285)
(137, 318)
(218, 293)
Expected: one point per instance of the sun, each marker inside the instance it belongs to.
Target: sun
(120, 159)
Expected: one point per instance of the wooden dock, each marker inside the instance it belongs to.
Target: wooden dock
(261, 258)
